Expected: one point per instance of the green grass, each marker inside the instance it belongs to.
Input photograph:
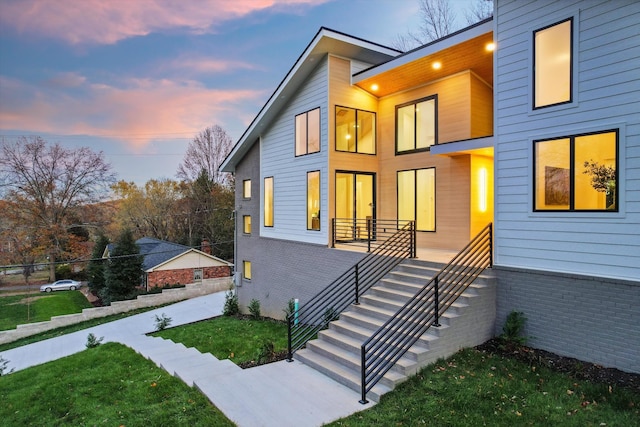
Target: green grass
(73, 328)
(14, 309)
(475, 389)
(236, 339)
(108, 385)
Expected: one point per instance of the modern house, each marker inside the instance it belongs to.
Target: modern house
(540, 137)
(168, 263)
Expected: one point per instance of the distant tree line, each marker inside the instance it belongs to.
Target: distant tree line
(65, 205)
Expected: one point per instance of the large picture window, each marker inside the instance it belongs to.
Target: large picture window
(552, 67)
(417, 198)
(416, 125)
(313, 200)
(308, 132)
(355, 130)
(268, 202)
(576, 173)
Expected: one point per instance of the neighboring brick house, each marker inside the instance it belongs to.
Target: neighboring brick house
(168, 263)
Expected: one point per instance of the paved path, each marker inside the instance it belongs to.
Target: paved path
(278, 394)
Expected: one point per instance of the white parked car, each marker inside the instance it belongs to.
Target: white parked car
(61, 285)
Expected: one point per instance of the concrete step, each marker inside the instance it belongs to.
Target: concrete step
(348, 377)
(205, 370)
(417, 353)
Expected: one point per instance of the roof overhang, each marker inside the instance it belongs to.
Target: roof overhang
(467, 49)
(325, 41)
(477, 146)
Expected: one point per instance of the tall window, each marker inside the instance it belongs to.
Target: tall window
(313, 200)
(576, 173)
(246, 189)
(246, 269)
(268, 202)
(552, 64)
(246, 224)
(355, 130)
(416, 125)
(417, 198)
(308, 132)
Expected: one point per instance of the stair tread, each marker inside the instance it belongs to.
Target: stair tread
(356, 343)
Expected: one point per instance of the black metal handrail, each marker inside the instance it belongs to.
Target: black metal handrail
(392, 340)
(327, 305)
(366, 233)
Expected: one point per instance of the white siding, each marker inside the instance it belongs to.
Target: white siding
(277, 159)
(606, 95)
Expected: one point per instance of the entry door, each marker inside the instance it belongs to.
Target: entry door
(355, 203)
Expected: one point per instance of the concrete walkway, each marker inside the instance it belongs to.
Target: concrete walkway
(277, 394)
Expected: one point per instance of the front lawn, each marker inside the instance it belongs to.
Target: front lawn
(108, 385)
(474, 388)
(35, 307)
(237, 339)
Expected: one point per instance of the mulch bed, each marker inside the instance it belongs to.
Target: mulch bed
(575, 368)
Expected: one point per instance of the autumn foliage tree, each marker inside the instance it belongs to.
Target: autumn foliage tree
(45, 186)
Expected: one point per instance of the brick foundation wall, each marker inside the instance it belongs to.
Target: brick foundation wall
(184, 276)
(592, 319)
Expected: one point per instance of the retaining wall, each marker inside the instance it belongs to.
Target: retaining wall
(208, 286)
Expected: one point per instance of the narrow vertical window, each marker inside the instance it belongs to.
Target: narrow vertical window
(268, 202)
(576, 173)
(246, 269)
(313, 200)
(416, 125)
(552, 64)
(246, 189)
(416, 198)
(246, 224)
(307, 132)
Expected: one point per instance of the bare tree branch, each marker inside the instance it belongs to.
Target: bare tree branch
(206, 153)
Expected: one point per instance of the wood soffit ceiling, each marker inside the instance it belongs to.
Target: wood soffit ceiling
(470, 55)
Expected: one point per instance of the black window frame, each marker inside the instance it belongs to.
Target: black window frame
(572, 195)
(415, 204)
(571, 70)
(375, 131)
(295, 132)
(415, 127)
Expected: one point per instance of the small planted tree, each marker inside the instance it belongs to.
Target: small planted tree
(254, 309)
(96, 267)
(124, 269)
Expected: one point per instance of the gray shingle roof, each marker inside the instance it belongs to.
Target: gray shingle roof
(157, 251)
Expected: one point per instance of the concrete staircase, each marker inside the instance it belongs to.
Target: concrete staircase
(186, 363)
(469, 322)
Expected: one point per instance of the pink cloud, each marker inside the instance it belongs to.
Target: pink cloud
(201, 65)
(107, 22)
(136, 111)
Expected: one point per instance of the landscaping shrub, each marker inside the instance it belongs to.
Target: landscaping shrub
(162, 322)
(231, 306)
(92, 341)
(254, 309)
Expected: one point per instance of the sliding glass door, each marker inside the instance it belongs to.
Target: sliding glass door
(355, 204)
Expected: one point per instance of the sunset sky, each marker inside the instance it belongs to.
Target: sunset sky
(138, 79)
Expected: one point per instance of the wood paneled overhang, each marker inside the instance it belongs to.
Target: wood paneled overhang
(464, 50)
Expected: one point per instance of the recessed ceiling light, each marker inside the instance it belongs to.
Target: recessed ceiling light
(437, 65)
(374, 87)
(490, 47)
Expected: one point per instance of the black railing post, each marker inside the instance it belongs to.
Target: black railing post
(413, 239)
(436, 295)
(290, 352)
(363, 377)
(333, 232)
(368, 234)
(490, 244)
(357, 286)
